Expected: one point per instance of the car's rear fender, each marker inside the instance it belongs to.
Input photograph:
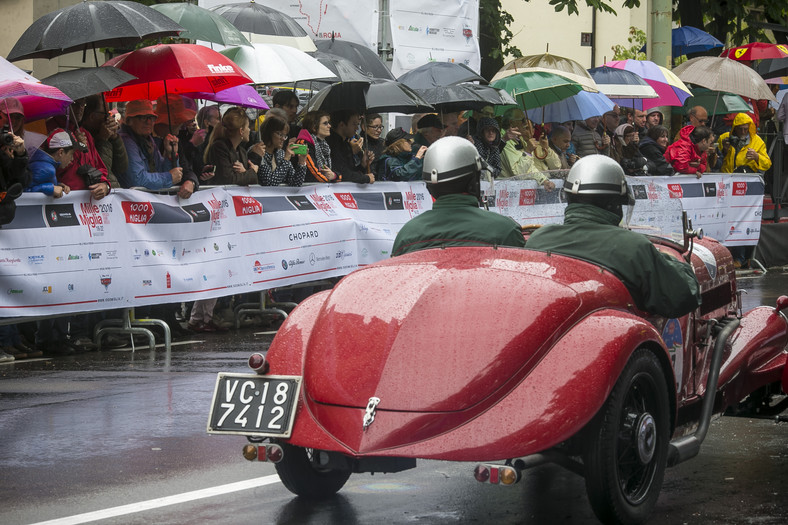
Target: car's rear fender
(554, 402)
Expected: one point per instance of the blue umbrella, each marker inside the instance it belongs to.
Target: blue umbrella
(688, 39)
(581, 106)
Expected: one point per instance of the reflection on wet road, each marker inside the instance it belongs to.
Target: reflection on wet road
(106, 430)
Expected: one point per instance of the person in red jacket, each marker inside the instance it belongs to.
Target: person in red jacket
(688, 154)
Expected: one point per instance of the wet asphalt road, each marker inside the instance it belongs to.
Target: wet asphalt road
(120, 430)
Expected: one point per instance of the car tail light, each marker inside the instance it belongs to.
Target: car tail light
(258, 363)
(497, 474)
(250, 452)
(272, 453)
(481, 473)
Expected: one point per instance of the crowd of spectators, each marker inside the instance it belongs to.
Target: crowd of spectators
(168, 145)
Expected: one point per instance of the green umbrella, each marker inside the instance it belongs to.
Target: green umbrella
(716, 102)
(202, 24)
(537, 88)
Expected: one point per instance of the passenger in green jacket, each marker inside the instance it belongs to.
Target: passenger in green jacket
(452, 169)
(596, 190)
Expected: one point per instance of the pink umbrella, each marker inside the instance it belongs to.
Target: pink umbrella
(38, 100)
(670, 89)
(244, 95)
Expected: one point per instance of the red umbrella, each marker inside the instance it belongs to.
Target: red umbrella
(757, 51)
(174, 68)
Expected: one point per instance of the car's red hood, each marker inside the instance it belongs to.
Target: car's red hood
(431, 333)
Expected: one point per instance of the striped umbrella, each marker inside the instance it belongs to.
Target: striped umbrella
(547, 63)
(726, 75)
(670, 89)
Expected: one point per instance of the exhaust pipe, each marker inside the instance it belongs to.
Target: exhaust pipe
(688, 447)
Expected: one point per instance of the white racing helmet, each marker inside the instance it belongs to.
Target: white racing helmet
(451, 158)
(601, 176)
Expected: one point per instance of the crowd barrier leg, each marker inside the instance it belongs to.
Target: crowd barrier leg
(130, 325)
(246, 309)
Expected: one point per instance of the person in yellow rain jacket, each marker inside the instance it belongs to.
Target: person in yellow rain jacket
(742, 149)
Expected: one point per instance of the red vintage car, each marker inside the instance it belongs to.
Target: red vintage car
(420, 356)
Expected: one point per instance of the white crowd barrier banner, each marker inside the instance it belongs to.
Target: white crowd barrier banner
(446, 31)
(344, 19)
(728, 206)
(134, 248)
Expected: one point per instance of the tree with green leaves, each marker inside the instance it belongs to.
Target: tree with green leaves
(735, 22)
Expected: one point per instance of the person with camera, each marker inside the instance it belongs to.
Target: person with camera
(742, 149)
(148, 167)
(689, 154)
(87, 171)
(275, 165)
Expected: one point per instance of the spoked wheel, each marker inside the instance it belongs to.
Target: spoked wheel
(628, 442)
(302, 476)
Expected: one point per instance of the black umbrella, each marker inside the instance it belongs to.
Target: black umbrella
(88, 25)
(80, 83)
(464, 96)
(344, 69)
(377, 96)
(259, 19)
(772, 68)
(434, 74)
(363, 57)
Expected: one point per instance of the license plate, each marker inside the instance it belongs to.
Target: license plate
(253, 405)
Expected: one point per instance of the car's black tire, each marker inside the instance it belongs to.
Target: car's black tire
(627, 445)
(301, 477)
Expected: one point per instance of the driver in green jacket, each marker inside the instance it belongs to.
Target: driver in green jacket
(452, 169)
(596, 190)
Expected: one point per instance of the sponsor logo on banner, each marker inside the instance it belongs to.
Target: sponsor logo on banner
(94, 256)
(35, 259)
(364, 253)
(321, 203)
(265, 267)
(347, 200)
(449, 32)
(432, 30)
(301, 202)
(467, 32)
(198, 212)
(15, 291)
(343, 254)
(750, 231)
(74, 257)
(137, 212)
(502, 199)
(10, 261)
(217, 211)
(292, 262)
(393, 200)
(106, 280)
(302, 235)
(94, 217)
(709, 189)
(739, 188)
(245, 206)
(676, 191)
(60, 215)
(414, 202)
(147, 282)
(47, 289)
(70, 287)
(527, 197)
